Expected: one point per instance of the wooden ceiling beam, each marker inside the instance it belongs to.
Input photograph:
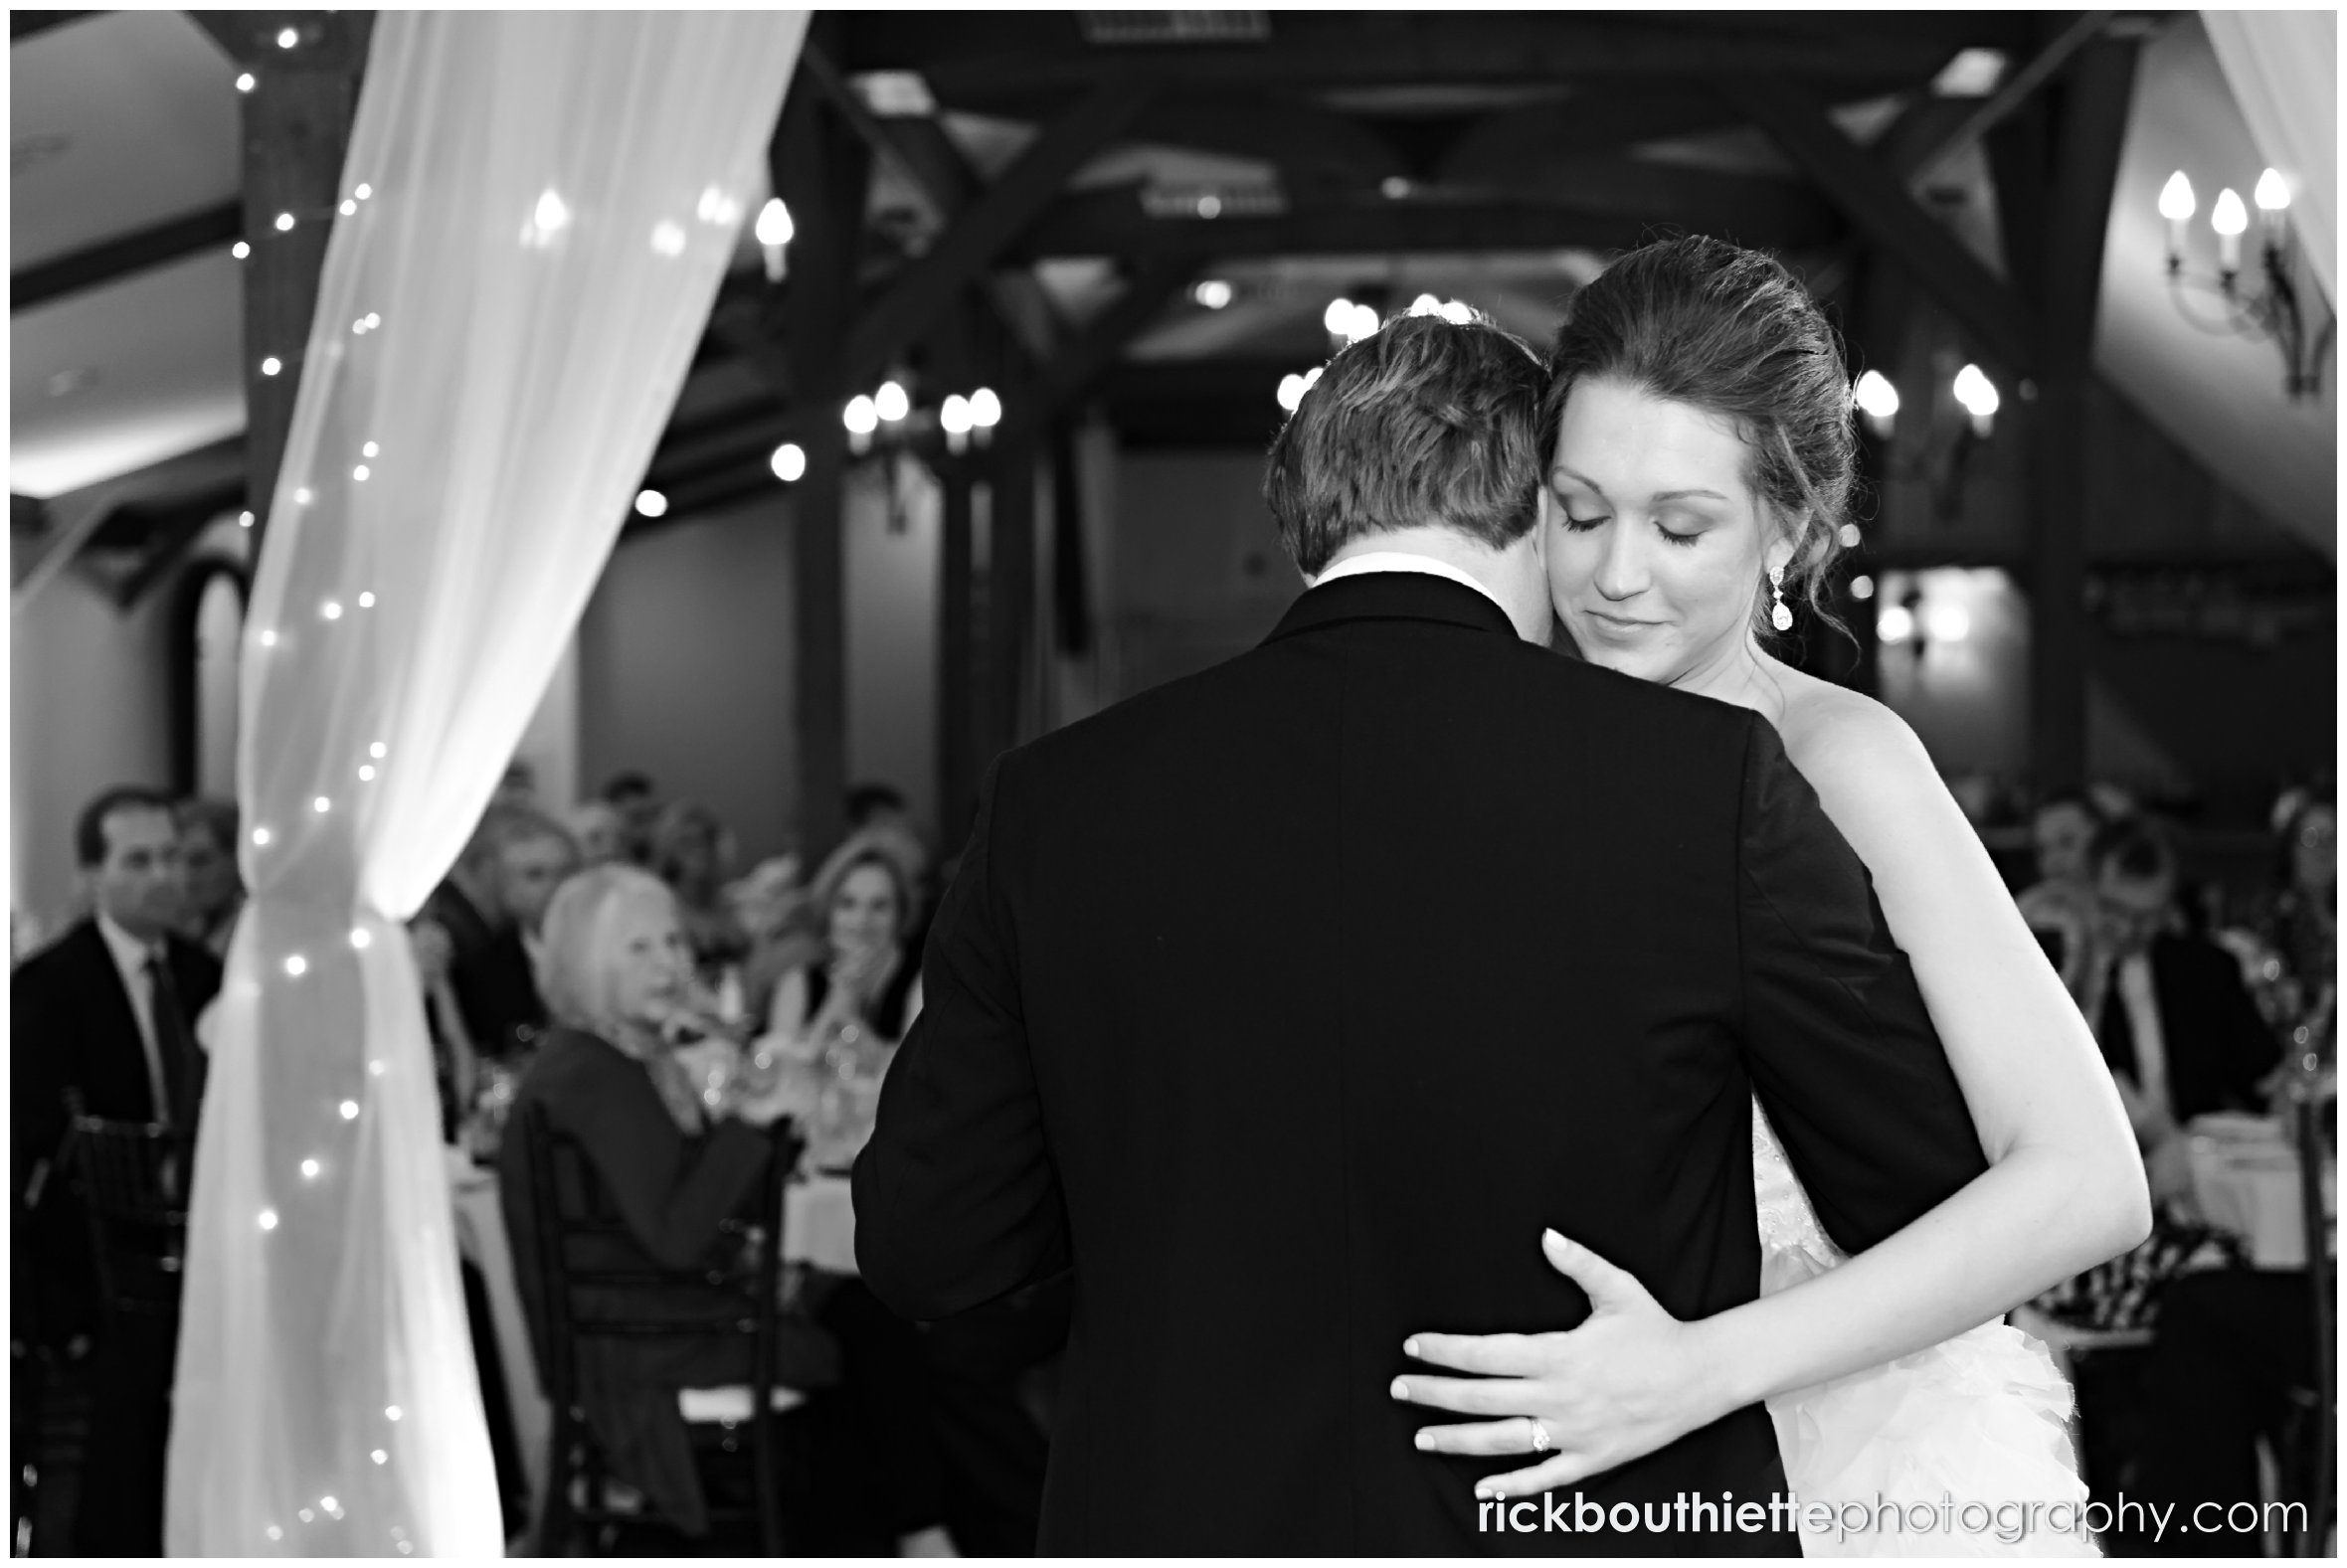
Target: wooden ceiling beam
(1072, 371)
(984, 228)
(1876, 201)
(110, 260)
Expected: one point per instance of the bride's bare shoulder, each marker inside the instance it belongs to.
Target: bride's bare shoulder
(1851, 748)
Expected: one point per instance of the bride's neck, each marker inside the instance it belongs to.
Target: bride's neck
(1739, 671)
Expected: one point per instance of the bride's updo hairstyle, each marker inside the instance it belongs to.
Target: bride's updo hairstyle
(1699, 322)
(1427, 422)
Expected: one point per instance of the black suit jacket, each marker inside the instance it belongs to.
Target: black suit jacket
(72, 1027)
(1289, 1002)
(2216, 1045)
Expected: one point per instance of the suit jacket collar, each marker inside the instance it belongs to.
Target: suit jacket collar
(1393, 596)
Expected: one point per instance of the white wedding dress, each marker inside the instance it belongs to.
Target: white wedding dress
(1982, 1418)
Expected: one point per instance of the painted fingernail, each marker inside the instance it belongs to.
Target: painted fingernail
(1409, 1346)
(1401, 1389)
(1424, 1439)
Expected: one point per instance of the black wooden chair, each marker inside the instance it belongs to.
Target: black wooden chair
(131, 1178)
(570, 1206)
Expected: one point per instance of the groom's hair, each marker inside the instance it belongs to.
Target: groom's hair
(1426, 422)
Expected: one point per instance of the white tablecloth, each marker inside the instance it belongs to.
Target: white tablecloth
(818, 1223)
(2245, 1177)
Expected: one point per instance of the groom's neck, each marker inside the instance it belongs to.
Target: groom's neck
(1512, 575)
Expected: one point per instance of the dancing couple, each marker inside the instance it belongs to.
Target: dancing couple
(1504, 1098)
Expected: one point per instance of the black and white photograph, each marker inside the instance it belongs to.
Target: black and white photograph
(1016, 783)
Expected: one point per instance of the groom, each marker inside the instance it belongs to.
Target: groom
(1288, 1004)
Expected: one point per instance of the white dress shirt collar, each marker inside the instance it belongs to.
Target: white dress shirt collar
(1405, 561)
(131, 957)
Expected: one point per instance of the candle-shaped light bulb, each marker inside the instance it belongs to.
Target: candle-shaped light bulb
(2176, 206)
(2274, 191)
(2230, 219)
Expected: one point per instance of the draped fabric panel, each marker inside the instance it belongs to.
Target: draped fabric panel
(544, 204)
(2284, 67)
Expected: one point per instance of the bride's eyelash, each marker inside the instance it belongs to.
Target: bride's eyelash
(1581, 525)
(1683, 541)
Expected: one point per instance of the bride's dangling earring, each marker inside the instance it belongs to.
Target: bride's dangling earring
(1781, 616)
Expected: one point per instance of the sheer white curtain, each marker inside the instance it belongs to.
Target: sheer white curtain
(544, 205)
(2284, 67)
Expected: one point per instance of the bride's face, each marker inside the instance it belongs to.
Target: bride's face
(1657, 544)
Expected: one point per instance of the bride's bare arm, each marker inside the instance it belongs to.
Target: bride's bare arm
(2064, 1187)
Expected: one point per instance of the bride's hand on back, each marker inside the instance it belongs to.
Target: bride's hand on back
(1630, 1379)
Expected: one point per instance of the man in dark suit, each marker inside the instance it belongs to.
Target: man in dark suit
(1288, 1003)
(108, 1012)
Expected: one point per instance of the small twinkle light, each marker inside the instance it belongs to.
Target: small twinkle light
(1947, 623)
(288, 38)
(303, 496)
(298, 966)
(240, 250)
(360, 939)
(391, 1411)
(1209, 206)
(348, 207)
(269, 639)
(1214, 293)
(284, 222)
(1365, 323)
(367, 601)
(377, 751)
(305, 1516)
(1312, 378)
(376, 1069)
(1458, 312)
(1338, 318)
(379, 1458)
(550, 213)
(1425, 305)
(953, 416)
(321, 805)
(651, 503)
(861, 416)
(350, 1113)
(272, 365)
(1979, 397)
(1849, 536)
(309, 1170)
(788, 462)
(369, 450)
(1862, 587)
(261, 838)
(331, 1506)
(890, 402)
(358, 328)
(275, 1534)
(373, 321)
(331, 610)
(1896, 624)
(363, 192)
(1875, 396)
(269, 1219)
(245, 81)
(361, 473)
(1395, 187)
(774, 222)
(407, 1549)
(668, 239)
(243, 519)
(985, 410)
(1290, 391)
(366, 772)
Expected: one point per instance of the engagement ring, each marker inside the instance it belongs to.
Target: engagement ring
(1540, 1443)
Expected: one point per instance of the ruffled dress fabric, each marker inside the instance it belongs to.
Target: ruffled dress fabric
(1980, 1419)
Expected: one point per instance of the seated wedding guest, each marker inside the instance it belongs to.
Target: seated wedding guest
(688, 851)
(489, 909)
(2175, 1023)
(2060, 905)
(841, 1015)
(214, 888)
(777, 914)
(639, 802)
(108, 1010)
(619, 981)
(600, 831)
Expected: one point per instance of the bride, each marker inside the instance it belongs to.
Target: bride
(1699, 468)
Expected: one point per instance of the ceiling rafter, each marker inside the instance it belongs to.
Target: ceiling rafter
(110, 260)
